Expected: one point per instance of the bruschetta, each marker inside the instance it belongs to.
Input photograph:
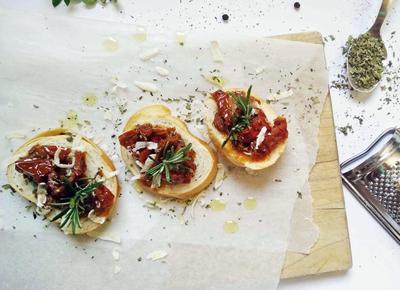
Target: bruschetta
(164, 157)
(69, 178)
(245, 128)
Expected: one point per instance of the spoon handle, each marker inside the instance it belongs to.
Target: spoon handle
(376, 27)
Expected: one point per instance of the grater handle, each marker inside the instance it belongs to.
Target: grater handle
(360, 155)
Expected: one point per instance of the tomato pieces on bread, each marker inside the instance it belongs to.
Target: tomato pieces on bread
(69, 178)
(164, 156)
(245, 129)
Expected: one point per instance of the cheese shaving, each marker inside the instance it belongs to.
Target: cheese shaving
(117, 85)
(147, 164)
(260, 69)
(15, 135)
(108, 116)
(280, 95)
(156, 181)
(157, 255)
(148, 54)
(41, 197)
(260, 137)
(111, 174)
(135, 177)
(143, 144)
(219, 178)
(57, 160)
(96, 219)
(148, 87)
(216, 52)
(117, 269)
(139, 164)
(115, 254)
(105, 236)
(162, 71)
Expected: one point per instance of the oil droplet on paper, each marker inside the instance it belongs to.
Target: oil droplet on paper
(231, 227)
(111, 44)
(217, 204)
(140, 35)
(250, 203)
(70, 121)
(89, 100)
(180, 38)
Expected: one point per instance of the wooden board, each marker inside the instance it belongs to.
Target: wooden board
(332, 251)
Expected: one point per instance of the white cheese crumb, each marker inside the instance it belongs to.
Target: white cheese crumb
(148, 54)
(157, 255)
(57, 160)
(216, 52)
(149, 87)
(108, 116)
(219, 178)
(156, 181)
(260, 137)
(135, 177)
(15, 135)
(114, 157)
(280, 95)
(41, 195)
(162, 71)
(111, 174)
(139, 164)
(260, 69)
(115, 254)
(96, 219)
(144, 144)
(117, 85)
(105, 236)
(117, 269)
(147, 164)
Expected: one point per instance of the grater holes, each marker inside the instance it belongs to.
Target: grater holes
(384, 186)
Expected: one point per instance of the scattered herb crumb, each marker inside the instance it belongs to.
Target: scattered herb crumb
(346, 129)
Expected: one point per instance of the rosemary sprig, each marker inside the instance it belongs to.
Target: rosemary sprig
(243, 120)
(169, 160)
(74, 205)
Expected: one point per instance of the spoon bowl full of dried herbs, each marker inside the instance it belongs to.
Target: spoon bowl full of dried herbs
(366, 54)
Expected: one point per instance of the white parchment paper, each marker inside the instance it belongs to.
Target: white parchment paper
(303, 232)
(48, 63)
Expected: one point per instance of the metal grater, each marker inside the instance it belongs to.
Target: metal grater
(375, 182)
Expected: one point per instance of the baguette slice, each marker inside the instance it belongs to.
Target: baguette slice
(229, 151)
(95, 159)
(205, 160)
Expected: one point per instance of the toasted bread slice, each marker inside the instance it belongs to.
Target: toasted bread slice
(236, 157)
(95, 159)
(205, 160)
